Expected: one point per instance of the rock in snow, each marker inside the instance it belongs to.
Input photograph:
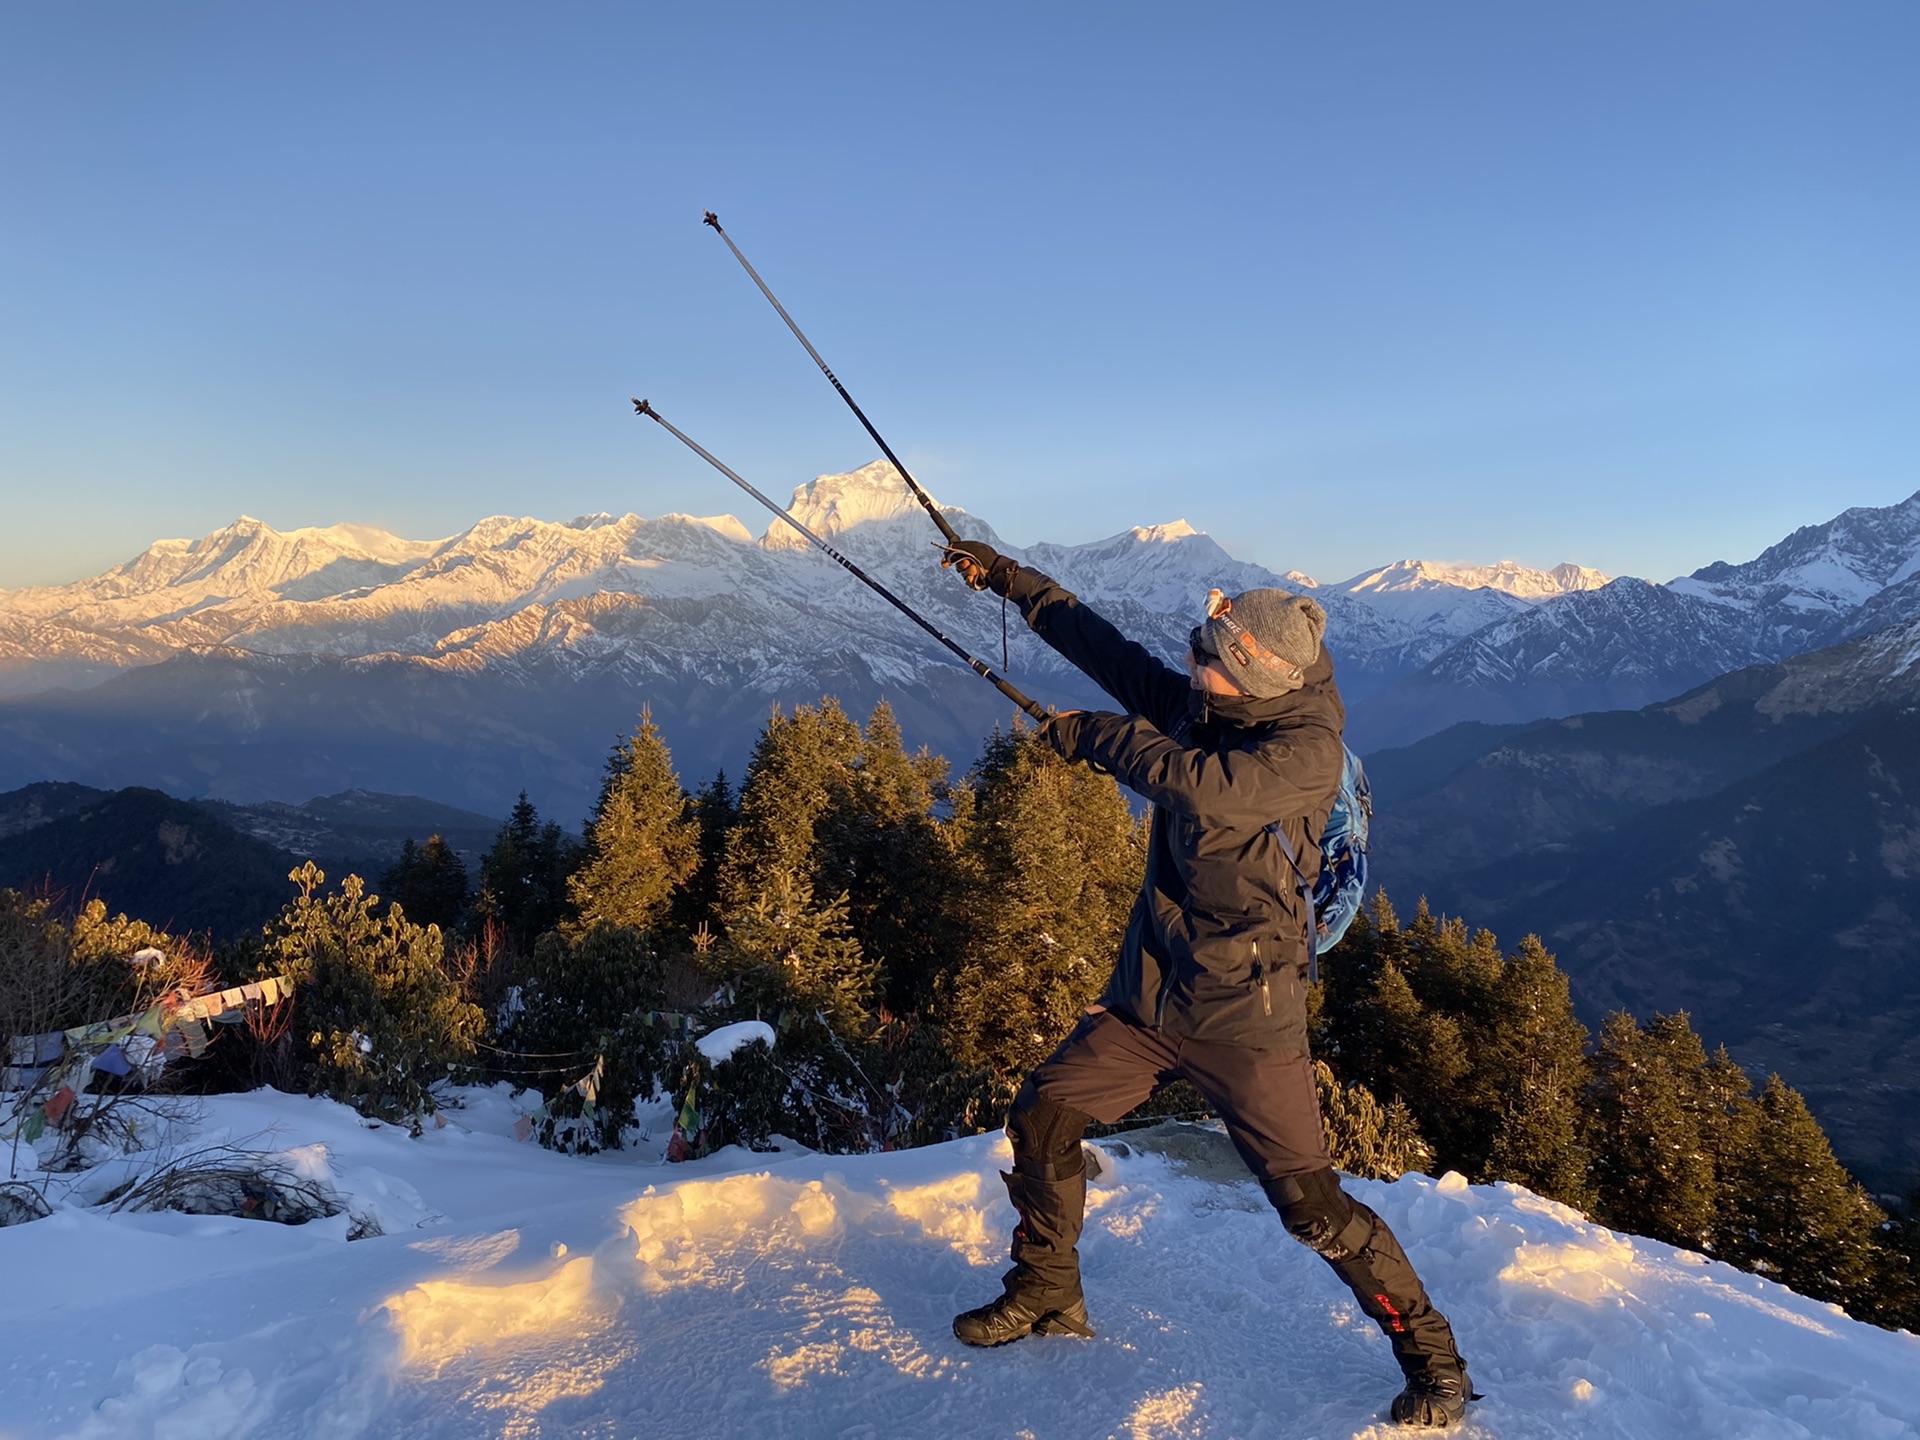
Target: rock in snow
(810, 1295)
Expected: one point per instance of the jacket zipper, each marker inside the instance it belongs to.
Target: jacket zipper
(1266, 981)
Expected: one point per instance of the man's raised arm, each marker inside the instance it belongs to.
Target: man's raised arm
(1126, 670)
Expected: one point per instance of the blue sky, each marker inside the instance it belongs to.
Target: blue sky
(1627, 284)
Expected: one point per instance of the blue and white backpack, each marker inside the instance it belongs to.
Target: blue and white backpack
(1343, 862)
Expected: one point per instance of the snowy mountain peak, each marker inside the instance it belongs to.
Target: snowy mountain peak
(1508, 577)
(244, 558)
(1163, 534)
(1820, 574)
(725, 525)
(831, 505)
(1571, 577)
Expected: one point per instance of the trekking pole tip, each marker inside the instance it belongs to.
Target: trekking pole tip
(711, 219)
(641, 407)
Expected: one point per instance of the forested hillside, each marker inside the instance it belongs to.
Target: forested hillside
(1742, 852)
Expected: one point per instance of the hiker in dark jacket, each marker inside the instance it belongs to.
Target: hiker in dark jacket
(1210, 984)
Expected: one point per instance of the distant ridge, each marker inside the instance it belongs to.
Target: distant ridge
(209, 865)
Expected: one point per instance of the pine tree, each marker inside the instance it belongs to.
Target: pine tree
(1053, 860)
(881, 844)
(641, 842)
(714, 811)
(1653, 1172)
(786, 950)
(1455, 976)
(1794, 1214)
(429, 882)
(1374, 1030)
(1483, 1049)
(523, 878)
(1364, 1137)
(1535, 1065)
(1725, 1110)
(1900, 1284)
(802, 764)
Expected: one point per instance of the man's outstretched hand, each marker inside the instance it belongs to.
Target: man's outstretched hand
(1062, 732)
(980, 565)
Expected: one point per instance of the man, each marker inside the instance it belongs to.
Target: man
(1210, 984)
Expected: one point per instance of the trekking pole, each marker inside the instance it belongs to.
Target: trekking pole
(946, 530)
(980, 668)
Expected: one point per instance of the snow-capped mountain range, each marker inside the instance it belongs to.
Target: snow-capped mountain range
(1630, 643)
(525, 636)
(600, 584)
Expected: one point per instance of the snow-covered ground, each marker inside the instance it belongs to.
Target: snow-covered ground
(526, 1294)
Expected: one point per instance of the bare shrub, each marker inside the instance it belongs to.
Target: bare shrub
(20, 1202)
(227, 1180)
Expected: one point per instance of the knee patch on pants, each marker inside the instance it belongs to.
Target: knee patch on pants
(1319, 1214)
(1046, 1136)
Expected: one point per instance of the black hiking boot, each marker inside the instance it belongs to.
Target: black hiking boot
(1012, 1317)
(1043, 1288)
(1435, 1398)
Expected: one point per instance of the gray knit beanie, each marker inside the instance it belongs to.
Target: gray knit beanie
(1265, 639)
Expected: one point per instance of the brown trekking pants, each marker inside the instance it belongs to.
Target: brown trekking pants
(1106, 1068)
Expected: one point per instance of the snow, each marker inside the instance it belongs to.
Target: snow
(1162, 534)
(831, 505)
(719, 1045)
(727, 526)
(1509, 577)
(518, 1292)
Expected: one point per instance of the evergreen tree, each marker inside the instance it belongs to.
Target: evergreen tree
(802, 764)
(714, 811)
(1364, 1137)
(788, 942)
(784, 949)
(523, 878)
(881, 843)
(1795, 1215)
(1653, 1170)
(1053, 860)
(641, 843)
(1483, 1049)
(1536, 1072)
(1455, 977)
(1901, 1280)
(429, 882)
(1374, 1031)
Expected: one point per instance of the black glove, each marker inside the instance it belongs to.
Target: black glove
(980, 565)
(1062, 732)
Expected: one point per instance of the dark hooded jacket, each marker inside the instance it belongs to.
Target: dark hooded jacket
(1216, 948)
